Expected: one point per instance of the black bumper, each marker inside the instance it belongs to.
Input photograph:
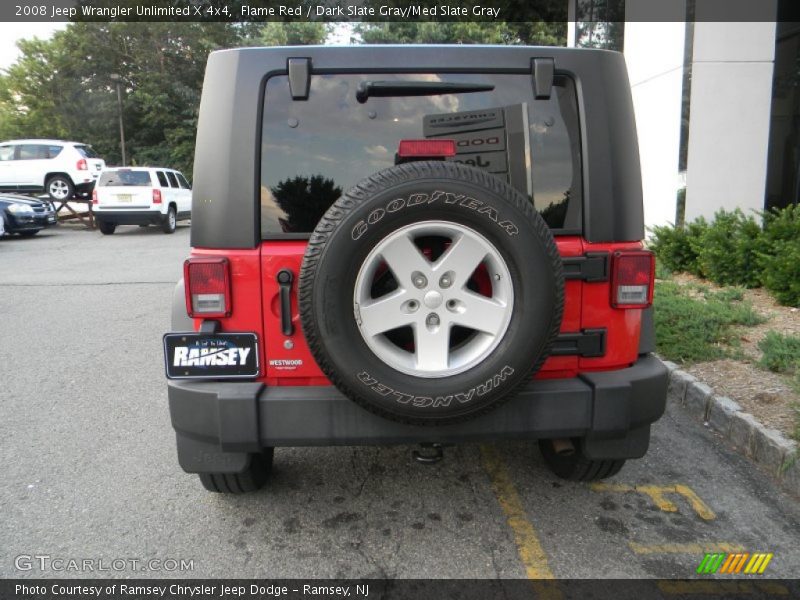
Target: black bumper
(218, 423)
(130, 217)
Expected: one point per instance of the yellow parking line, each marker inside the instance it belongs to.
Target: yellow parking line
(529, 547)
(656, 494)
(691, 548)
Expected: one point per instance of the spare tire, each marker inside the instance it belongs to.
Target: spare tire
(430, 292)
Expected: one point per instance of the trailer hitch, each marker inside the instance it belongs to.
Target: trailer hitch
(429, 453)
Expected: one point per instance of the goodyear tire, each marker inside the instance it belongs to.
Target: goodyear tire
(430, 292)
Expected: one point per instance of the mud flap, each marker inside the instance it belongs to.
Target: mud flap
(632, 445)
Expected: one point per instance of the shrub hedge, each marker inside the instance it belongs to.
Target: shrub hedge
(735, 249)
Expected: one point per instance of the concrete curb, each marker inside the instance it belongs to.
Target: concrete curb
(768, 448)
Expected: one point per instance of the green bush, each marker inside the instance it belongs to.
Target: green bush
(780, 353)
(779, 259)
(691, 329)
(674, 246)
(728, 250)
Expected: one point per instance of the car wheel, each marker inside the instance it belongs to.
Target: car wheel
(60, 188)
(170, 221)
(106, 227)
(575, 466)
(430, 292)
(143, 225)
(251, 479)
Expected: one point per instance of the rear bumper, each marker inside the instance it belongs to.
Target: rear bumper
(217, 423)
(129, 217)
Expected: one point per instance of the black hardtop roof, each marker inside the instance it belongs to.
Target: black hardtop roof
(227, 158)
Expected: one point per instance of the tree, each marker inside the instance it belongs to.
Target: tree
(463, 32)
(301, 33)
(62, 87)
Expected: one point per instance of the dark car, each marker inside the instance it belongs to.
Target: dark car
(23, 215)
(414, 244)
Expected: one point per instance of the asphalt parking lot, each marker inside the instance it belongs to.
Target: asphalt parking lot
(89, 465)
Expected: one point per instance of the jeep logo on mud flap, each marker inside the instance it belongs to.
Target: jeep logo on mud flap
(435, 402)
(360, 228)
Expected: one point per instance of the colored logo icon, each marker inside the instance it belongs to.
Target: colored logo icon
(739, 563)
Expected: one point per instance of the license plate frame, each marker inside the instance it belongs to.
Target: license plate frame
(184, 357)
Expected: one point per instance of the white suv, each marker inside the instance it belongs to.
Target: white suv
(141, 196)
(62, 169)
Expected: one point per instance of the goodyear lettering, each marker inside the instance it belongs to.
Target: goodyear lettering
(397, 204)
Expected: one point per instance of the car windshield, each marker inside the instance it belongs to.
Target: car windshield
(87, 152)
(125, 177)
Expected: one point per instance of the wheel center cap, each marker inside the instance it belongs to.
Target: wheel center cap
(432, 299)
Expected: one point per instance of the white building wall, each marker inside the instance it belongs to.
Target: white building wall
(730, 115)
(654, 53)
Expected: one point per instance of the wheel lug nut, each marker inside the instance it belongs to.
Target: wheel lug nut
(445, 282)
(419, 280)
(432, 320)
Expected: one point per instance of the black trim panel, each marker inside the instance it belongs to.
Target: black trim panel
(591, 267)
(589, 343)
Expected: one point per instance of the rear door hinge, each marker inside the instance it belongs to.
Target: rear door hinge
(589, 343)
(592, 266)
(299, 77)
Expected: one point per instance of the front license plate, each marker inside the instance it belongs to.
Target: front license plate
(124, 197)
(211, 356)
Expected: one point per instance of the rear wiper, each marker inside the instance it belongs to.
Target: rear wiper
(384, 89)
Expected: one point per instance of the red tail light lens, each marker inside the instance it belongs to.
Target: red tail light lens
(82, 165)
(426, 148)
(632, 279)
(94, 196)
(156, 196)
(208, 290)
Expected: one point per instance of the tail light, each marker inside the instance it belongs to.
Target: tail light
(208, 288)
(632, 279)
(94, 197)
(426, 148)
(156, 196)
(82, 165)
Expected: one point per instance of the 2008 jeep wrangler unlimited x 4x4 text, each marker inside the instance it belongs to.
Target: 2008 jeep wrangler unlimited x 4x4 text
(414, 244)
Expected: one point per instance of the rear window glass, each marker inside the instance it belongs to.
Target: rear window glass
(87, 152)
(162, 179)
(314, 150)
(125, 177)
(182, 180)
(172, 181)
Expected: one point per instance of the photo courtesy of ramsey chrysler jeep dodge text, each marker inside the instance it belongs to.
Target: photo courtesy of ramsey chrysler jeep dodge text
(414, 245)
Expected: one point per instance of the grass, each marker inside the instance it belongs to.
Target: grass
(691, 328)
(780, 353)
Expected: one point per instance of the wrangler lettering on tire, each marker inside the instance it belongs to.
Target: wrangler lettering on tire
(430, 292)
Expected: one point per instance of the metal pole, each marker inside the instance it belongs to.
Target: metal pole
(121, 127)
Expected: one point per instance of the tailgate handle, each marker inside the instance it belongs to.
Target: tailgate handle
(285, 278)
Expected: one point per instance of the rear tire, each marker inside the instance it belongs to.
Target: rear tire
(251, 479)
(170, 221)
(60, 188)
(106, 228)
(576, 466)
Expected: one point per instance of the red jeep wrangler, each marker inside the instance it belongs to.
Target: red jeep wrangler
(414, 244)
